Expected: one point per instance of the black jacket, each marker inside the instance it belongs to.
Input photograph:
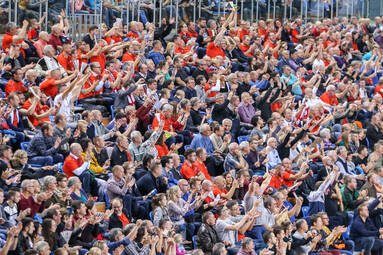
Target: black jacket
(148, 183)
(115, 222)
(265, 106)
(373, 135)
(207, 237)
(221, 112)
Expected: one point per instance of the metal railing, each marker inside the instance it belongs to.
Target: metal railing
(252, 10)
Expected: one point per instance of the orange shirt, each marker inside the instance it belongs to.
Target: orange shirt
(202, 168)
(217, 191)
(133, 34)
(377, 89)
(124, 220)
(181, 50)
(209, 86)
(49, 88)
(263, 32)
(188, 171)
(101, 59)
(271, 46)
(128, 57)
(242, 33)
(13, 86)
(7, 40)
(213, 51)
(66, 62)
(82, 61)
(71, 164)
(276, 181)
(329, 100)
(167, 124)
(162, 150)
(92, 79)
(245, 48)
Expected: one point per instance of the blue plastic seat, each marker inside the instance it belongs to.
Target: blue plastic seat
(106, 198)
(187, 147)
(112, 111)
(194, 239)
(151, 216)
(24, 146)
(243, 138)
(346, 235)
(305, 211)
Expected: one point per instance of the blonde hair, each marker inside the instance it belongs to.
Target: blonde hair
(94, 251)
(17, 157)
(172, 193)
(82, 123)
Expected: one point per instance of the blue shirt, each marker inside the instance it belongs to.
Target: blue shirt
(293, 79)
(201, 141)
(156, 57)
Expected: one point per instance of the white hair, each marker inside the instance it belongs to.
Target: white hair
(244, 144)
(135, 134)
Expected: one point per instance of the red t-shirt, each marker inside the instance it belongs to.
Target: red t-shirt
(124, 220)
(49, 88)
(245, 48)
(55, 41)
(7, 40)
(329, 100)
(13, 86)
(128, 57)
(188, 171)
(202, 168)
(213, 51)
(66, 62)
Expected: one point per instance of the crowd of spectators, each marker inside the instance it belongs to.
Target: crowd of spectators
(262, 138)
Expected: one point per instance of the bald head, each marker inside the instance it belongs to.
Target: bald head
(76, 149)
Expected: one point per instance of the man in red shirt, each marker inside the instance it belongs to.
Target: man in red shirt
(329, 97)
(74, 165)
(199, 163)
(54, 39)
(219, 188)
(15, 84)
(11, 36)
(189, 169)
(53, 80)
(65, 58)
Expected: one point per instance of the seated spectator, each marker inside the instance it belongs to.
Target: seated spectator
(43, 149)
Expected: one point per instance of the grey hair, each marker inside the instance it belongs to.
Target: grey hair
(330, 87)
(135, 134)
(340, 149)
(40, 246)
(244, 144)
(167, 107)
(227, 120)
(24, 184)
(231, 146)
(218, 249)
(269, 140)
(47, 48)
(73, 181)
(324, 132)
(113, 234)
(48, 180)
(246, 241)
(30, 71)
(203, 128)
(9, 26)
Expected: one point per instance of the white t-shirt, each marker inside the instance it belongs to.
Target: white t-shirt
(65, 105)
(230, 235)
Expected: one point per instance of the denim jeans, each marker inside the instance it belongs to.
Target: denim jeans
(46, 160)
(85, 180)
